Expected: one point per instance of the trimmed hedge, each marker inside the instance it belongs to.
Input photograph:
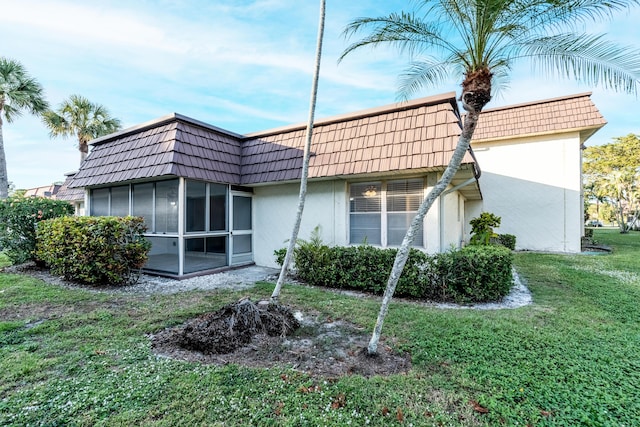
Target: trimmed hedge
(19, 217)
(94, 250)
(472, 274)
(507, 240)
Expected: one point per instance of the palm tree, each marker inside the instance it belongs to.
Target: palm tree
(481, 40)
(18, 92)
(305, 163)
(81, 118)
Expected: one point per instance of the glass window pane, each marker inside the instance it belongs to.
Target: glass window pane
(242, 244)
(196, 205)
(364, 228)
(143, 203)
(404, 195)
(397, 226)
(241, 213)
(365, 197)
(205, 253)
(217, 207)
(120, 200)
(100, 202)
(167, 206)
(163, 255)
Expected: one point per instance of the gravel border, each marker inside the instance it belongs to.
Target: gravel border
(246, 277)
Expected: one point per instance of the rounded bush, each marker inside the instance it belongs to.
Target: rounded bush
(94, 250)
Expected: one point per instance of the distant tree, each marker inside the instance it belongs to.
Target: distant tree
(612, 172)
(18, 92)
(480, 41)
(78, 117)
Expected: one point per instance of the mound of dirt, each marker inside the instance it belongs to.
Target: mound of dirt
(320, 346)
(234, 325)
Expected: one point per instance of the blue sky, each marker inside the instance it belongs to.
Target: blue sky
(241, 65)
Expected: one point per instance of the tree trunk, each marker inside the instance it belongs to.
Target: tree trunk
(4, 180)
(83, 146)
(464, 142)
(305, 164)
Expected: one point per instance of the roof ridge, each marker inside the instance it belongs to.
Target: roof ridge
(540, 101)
(397, 106)
(157, 122)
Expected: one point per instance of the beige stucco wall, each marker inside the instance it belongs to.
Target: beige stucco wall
(327, 205)
(533, 184)
(275, 211)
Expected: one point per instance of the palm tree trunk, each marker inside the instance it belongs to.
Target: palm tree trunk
(83, 147)
(464, 142)
(4, 180)
(305, 164)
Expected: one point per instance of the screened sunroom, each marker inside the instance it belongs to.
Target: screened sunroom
(193, 226)
(182, 177)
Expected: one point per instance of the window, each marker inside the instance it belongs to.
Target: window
(403, 200)
(143, 203)
(100, 202)
(366, 209)
(381, 212)
(217, 207)
(166, 206)
(196, 206)
(120, 200)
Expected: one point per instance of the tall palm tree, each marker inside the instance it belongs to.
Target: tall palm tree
(305, 162)
(480, 41)
(81, 118)
(18, 92)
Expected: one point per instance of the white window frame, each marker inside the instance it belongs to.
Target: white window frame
(384, 213)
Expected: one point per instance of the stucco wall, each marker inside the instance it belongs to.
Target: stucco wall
(275, 210)
(534, 185)
(327, 206)
(452, 222)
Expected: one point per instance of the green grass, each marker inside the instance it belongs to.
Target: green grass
(70, 357)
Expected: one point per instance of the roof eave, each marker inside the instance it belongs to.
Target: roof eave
(585, 133)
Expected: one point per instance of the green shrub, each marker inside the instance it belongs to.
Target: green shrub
(507, 240)
(19, 217)
(94, 250)
(476, 273)
(588, 233)
(482, 228)
(473, 274)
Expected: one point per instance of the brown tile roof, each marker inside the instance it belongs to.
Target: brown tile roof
(567, 113)
(415, 136)
(46, 191)
(70, 194)
(174, 145)
(419, 135)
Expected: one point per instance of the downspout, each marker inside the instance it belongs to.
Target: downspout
(476, 175)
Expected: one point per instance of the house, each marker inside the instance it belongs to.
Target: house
(46, 191)
(75, 196)
(214, 199)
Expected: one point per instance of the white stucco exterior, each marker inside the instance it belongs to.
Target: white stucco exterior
(327, 206)
(274, 213)
(534, 185)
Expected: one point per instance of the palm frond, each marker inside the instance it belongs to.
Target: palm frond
(425, 73)
(406, 32)
(11, 113)
(588, 58)
(19, 91)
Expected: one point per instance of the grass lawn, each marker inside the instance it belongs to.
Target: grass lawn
(70, 357)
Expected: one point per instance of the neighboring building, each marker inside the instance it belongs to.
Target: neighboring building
(531, 161)
(47, 191)
(213, 198)
(75, 196)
